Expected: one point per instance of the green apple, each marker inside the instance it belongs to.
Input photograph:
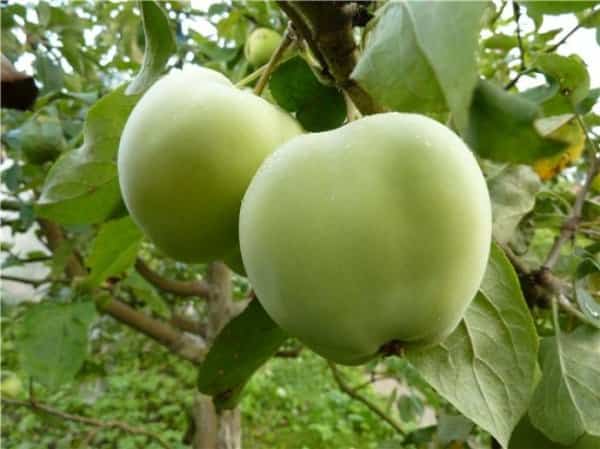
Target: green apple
(42, 139)
(525, 436)
(187, 153)
(260, 45)
(375, 232)
(11, 386)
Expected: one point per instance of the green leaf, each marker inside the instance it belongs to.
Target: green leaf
(526, 436)
(566, 402)
(410, 408)
(569, 71)
(588, 305)
(537, 8)
(501, 127)
(82, 186)
(160, 45)
(512, 191)
(144, 291)
(243, 345)
(588, 102)
(500, 41)
(453, 428)
(420, 57)
(49, 73)
(485, 368)
(114, 250)
(52, 341)
(212, 50)
(296, 89)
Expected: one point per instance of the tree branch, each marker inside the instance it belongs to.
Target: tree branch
(542, 285)
(180, 288)
(570, 225)
(360, 398)
(285, 43)
(327, 29)
(523, 68)
(189, 347)
(32, 282)
(111, 424)
(186, 346)
(581, 23)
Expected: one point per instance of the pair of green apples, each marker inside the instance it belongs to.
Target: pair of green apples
(375, 232)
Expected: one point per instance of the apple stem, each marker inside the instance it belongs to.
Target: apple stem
(392, 347)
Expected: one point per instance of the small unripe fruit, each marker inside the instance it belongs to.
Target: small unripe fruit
(187, 153)
(375, 232)
(260, 45)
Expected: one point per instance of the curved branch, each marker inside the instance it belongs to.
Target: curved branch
(189, 347)
(186, 346)
(371, 405)
(111, 424)
(179, 288)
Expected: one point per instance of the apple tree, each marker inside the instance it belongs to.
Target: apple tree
(410, 187)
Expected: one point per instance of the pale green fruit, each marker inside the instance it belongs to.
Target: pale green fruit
(374, 232)
(260, 45)
(187, 153)
(525, 436)
(11, 386)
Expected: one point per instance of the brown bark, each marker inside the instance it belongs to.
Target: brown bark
(327, 29)
(213, 430)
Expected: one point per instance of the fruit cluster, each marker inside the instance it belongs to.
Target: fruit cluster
(375, 232)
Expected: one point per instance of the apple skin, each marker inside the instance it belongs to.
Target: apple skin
(260, 45)
(377, 231)
(525, 436)
(187, 154)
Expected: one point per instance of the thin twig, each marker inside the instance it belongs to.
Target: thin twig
(523, 67)
(111, 424)
(570, 225)
(256, 74)
(22, 280)
(581, 23)
(498, 13)
(370, 404)
(517, 14)
(180, 288)
(286, 41)
(568, 307)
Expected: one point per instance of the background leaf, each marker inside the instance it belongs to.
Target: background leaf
(53, 340)
(82, 186)
(243, 345)
(512, 191)
(160, 45)
(296, 89)
(485, 368)
(569, 72)
(114, 249)
(501, 127)
(434, 63)
(566, 403)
